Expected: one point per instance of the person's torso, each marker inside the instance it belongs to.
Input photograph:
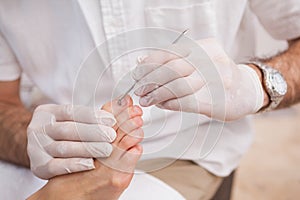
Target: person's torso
(54, 41)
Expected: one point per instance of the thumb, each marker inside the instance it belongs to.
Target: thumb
(59, 166)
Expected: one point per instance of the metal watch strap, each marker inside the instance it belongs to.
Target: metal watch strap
(274, 98)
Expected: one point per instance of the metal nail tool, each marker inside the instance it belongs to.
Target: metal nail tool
(127, 92)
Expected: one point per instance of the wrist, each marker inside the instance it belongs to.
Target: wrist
(266, 101)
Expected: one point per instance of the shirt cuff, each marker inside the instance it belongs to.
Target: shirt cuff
(10, 72)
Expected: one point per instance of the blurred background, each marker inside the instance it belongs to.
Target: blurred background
(271, 168)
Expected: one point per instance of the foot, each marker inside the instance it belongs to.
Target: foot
(112, 175)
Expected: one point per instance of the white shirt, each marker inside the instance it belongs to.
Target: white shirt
(49, 40)
(18, 183)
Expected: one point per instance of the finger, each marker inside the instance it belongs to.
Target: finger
(172, 70)
(188, 104)
(59, 166)
(63, 149)
(73, 131)
(129, 113)
(78, 113)
(158, 58)
(115, 108)
(131, 124)
(131, 139)
(175, 89)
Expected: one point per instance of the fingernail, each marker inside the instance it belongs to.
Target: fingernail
(146, 100)
(100, 150)
(108, 121)
(105, 118)
(140, 90)
(141, 59)
(89, 163)
(139, 72)
(135, 74)
(111, 134)
(108, 150)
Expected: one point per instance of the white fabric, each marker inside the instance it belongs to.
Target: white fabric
(281, 20)
(50, 39)
(10, 70)
(144, 186)
(18, 183)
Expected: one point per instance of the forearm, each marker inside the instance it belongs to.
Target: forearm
(14, 120)
(288, 63)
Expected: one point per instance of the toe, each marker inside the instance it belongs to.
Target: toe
(132, 124)
(115, 108)
(132, 139)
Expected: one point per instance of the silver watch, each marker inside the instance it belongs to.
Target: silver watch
(274, 83)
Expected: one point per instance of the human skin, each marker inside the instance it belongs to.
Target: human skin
(111, 175)
(14, 118)
(288, 63)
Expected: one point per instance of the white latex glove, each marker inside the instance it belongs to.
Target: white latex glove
(64, 139)
(222, 90)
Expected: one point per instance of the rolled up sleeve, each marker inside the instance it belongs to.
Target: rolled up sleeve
(9, 67)
(280, 18)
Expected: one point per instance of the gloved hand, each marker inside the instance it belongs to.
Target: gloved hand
(112, 175)
(64, 139)
(185, 77)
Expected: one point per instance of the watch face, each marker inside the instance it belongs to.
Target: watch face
(278, 83)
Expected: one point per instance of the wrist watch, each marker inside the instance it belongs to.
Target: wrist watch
(274, 84)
